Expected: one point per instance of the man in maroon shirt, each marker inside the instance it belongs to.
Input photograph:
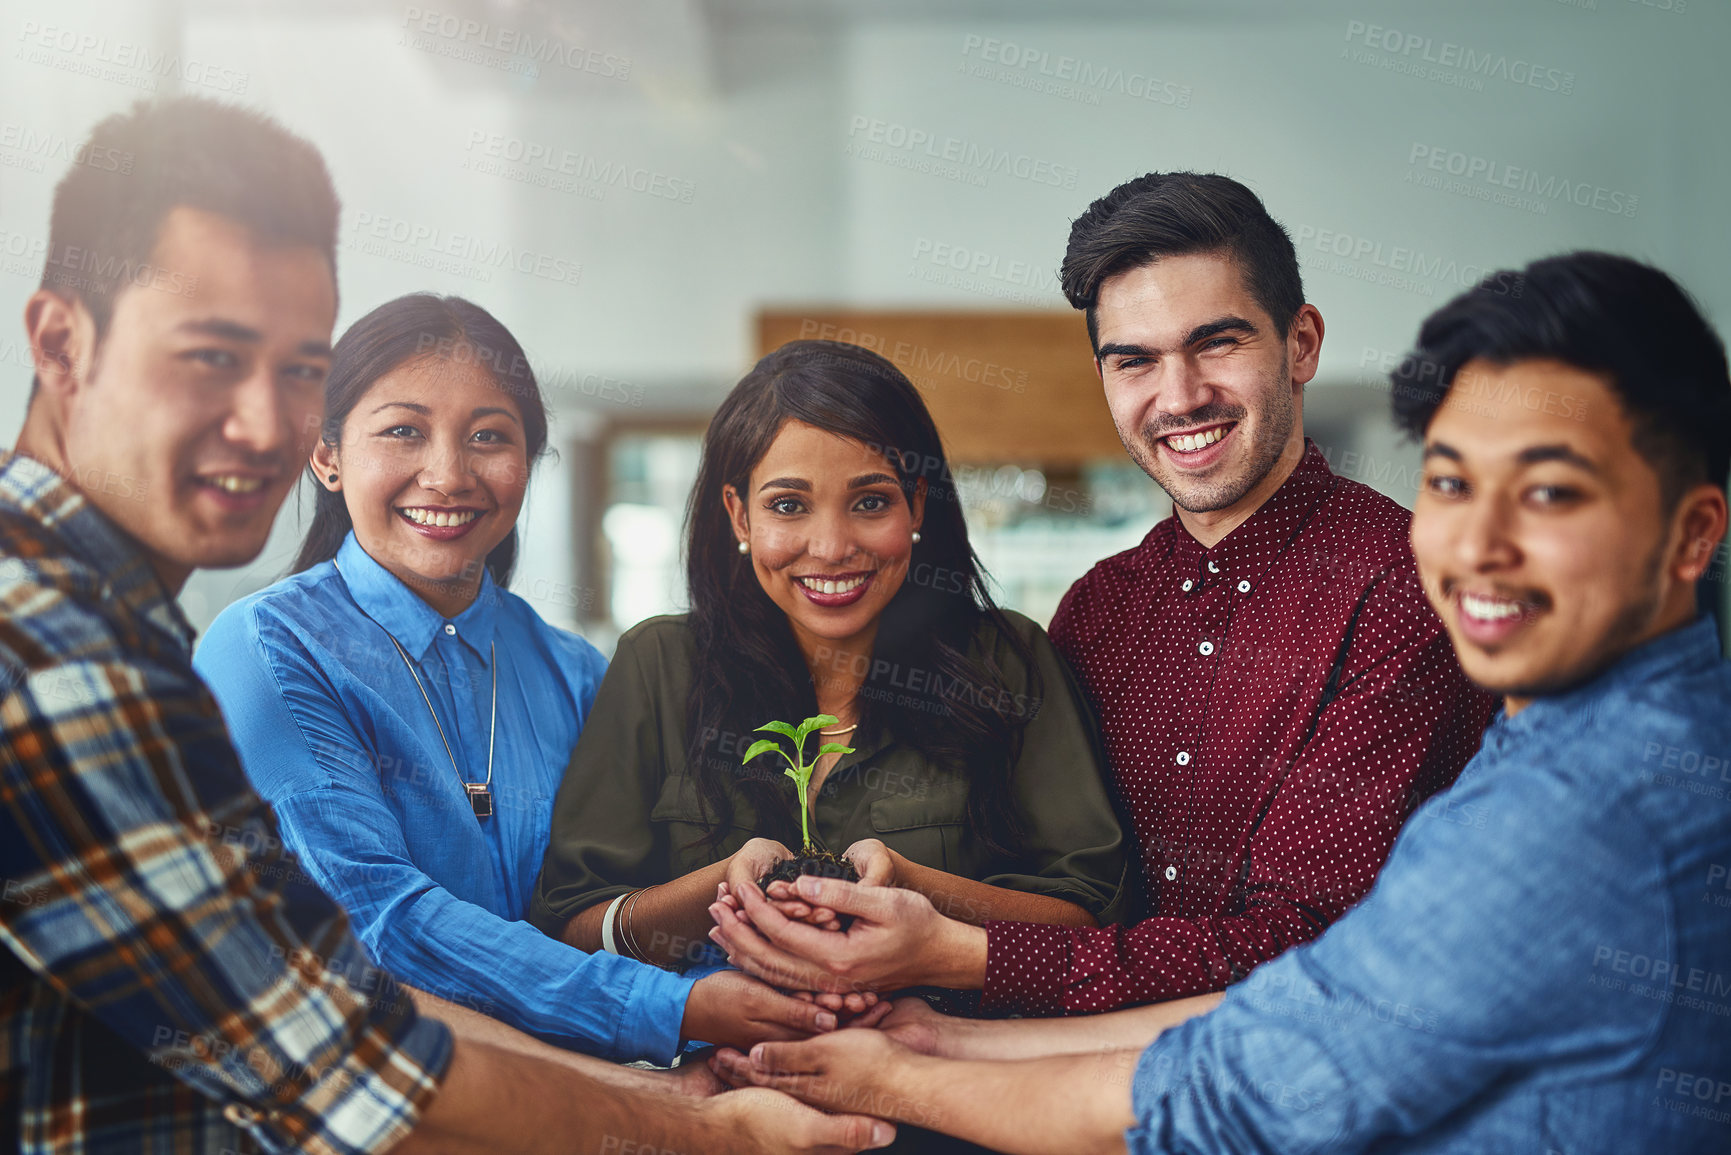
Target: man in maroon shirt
(1275, 692)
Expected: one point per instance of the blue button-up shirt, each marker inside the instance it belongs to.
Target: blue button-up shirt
(1544, 964)
(333, 731)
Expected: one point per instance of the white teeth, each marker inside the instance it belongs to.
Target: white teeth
(1488, 609)
(825, 586)
(231, 483)
(1191, 442)
(437, 518)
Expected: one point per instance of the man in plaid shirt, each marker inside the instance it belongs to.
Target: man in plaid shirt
(170, 981)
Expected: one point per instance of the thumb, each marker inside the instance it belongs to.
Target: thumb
(849, 1132)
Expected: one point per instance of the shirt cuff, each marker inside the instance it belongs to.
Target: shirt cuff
(1026, 967)
(653, 1014)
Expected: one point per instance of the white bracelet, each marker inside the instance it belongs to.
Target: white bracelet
(607, 943)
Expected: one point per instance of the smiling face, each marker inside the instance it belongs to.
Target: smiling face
(432, 466)
(188, 427)
(1204, 392)
(830, 532)
(1542, 539)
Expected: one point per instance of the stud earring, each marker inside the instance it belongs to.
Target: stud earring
(916, 537)
(331, 477)
(744, 547)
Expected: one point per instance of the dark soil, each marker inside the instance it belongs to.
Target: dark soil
(823, 864)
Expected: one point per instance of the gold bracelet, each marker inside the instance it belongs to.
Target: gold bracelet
(627, 926)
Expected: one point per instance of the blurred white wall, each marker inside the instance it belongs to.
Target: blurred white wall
(675, 164)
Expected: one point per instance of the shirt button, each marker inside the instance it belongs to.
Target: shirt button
(1213, 567)
(1187, 584)
(1171, 873)
(1244, 587)
(240, 1115)
(450, 629)
(1206, 648)
(1183, 758)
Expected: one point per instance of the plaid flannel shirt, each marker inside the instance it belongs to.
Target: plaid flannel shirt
(171, 981)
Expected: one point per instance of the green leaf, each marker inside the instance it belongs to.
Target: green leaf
(780, 728)
(763, 746)
(833, 748)
(814, 723)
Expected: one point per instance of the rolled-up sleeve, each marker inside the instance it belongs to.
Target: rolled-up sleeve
(163, 904)
(351, 843)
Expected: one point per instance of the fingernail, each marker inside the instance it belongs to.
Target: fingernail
(826, 1021)
(881, 1134)
(810, 886)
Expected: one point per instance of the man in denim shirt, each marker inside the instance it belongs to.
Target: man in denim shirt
(1544, 964)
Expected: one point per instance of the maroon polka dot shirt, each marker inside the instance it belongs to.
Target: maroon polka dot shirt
(1273, 709)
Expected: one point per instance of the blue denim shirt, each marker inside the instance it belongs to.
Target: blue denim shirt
(334, 734)
(1543, 966)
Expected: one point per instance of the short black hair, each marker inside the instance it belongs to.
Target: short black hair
(1169, 214)
(1604, 314)
(188, 151)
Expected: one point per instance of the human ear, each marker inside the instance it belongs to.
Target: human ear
(735, 506)
(1699, 526)
(917, 504)
(325, 466)
(1304, 343)
(62, 340)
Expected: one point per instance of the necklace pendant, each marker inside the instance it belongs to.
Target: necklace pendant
(480, 798)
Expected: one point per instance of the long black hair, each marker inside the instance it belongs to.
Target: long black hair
(748, 667)
(414, 326)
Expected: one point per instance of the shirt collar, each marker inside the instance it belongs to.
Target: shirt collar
(1260, 538)
(127, 578)
(382, 596)
(1689, 648)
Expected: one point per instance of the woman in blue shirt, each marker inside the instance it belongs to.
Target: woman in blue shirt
(410, 719)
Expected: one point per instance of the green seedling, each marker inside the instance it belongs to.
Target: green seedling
(797, 767)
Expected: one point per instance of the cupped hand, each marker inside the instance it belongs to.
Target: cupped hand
(752, 861)
(897, 939)
(785, 899)
(874, 861)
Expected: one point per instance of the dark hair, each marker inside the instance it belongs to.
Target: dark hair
(1170, 214)
(140, 165)
(416, 326)
(1604, 314)
(749, 668)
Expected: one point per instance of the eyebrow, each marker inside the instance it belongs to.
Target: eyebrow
(1227, 324)
(247, 335)
(804, 486)
(424, 411)
(1533, 455)
(1561, 453)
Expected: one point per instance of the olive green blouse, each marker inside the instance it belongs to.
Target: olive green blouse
(627, 813)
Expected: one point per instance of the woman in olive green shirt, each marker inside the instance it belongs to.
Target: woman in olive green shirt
(830, 572)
